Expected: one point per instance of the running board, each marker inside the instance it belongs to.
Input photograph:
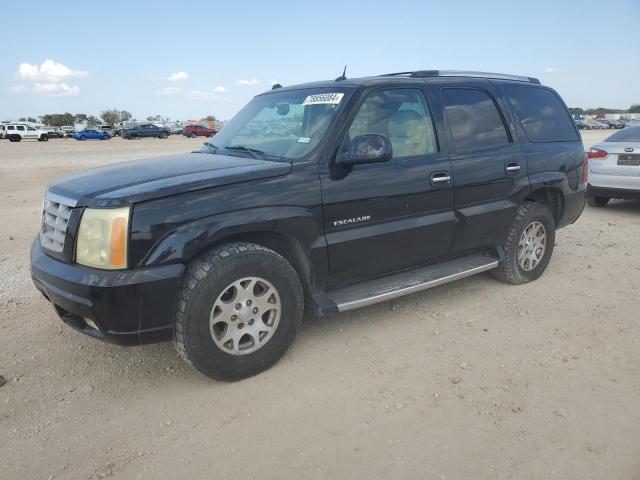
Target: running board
(411, 281)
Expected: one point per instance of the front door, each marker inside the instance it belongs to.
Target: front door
(384, 217)
(489, 167)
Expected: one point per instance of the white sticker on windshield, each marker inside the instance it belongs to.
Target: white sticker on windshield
(323, 98)
(304, 139)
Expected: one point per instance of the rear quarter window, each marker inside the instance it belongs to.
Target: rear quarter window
(541, 114)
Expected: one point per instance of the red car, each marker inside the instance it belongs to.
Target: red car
(193, 131)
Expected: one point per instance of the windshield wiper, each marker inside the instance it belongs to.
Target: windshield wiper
(255, 153)
(211, 146)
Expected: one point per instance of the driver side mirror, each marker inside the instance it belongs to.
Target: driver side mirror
(368, 148)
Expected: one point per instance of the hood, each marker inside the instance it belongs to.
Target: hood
(130, 182)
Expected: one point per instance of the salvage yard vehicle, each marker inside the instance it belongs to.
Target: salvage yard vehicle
(145, 130)
(193, 131)
(352, 192)
(90, 134)
(17, 132)
(614, 166)
(66, 131)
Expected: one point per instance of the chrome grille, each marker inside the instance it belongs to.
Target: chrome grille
(55, 216)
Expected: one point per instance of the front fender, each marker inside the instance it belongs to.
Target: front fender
(188, 240)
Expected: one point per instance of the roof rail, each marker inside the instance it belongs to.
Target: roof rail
(462, 73)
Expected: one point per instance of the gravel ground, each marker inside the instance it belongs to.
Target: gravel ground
(474, 379)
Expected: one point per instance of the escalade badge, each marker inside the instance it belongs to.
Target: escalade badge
(628, 149)
(349, 221)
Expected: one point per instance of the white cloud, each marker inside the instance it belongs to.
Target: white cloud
(220, 89)
(56, 89)
(251, 82)
(170, 91)
(208, 96)
(178, 76)
(553, 70)
(17, 89)
(48, 71)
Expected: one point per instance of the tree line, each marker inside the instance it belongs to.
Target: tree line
(107, 117)
(635, 108)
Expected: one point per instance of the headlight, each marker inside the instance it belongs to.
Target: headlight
(102, 238)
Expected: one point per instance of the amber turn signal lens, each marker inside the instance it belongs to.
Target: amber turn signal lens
(118, 241)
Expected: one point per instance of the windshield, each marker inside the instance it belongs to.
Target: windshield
(286, 125)
(629, 134)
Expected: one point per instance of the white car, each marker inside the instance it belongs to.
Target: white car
(614, 168)
(16, 132)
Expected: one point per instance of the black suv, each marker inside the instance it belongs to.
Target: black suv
(145, 130)
(323, 197)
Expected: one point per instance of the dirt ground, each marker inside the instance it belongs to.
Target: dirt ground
(472, 380)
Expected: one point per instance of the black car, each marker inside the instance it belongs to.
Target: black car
(322, 197)
(145, 130)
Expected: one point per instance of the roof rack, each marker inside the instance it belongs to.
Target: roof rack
(462, 73)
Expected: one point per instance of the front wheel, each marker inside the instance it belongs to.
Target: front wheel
(529, 245)
(193, 135)
(239, 310)
(595, 201)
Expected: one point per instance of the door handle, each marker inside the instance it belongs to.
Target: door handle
(440, 178)
(512, 167)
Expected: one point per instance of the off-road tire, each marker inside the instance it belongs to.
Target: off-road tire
(595, 201)
(509, 270)
(204, 281)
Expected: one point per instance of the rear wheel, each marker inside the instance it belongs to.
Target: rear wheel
(239, 310)
(529, 245)
(596, 201)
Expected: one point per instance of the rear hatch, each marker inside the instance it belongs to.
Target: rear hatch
(615, 158)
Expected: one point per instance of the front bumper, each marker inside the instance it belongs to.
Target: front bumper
(127, 307)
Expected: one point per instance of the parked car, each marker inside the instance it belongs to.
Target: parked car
(91, 134)
(107, 129)
(66, 131)
(51, 132)
(176, 129)
(193, 131)
(582, 125)
(390, 185)
(595, 125)
(17, 132)
(614, 168)
(145, 130)
(612, 123)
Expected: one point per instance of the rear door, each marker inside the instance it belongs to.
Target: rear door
(383, 217)
(489, 166)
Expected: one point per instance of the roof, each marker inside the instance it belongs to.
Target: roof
(402, 77)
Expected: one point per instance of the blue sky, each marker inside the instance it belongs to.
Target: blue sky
(122, 54)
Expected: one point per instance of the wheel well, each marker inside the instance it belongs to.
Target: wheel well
(284, 245)
(550, 197)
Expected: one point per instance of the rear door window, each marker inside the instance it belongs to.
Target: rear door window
(474, 119)
(541, 114)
